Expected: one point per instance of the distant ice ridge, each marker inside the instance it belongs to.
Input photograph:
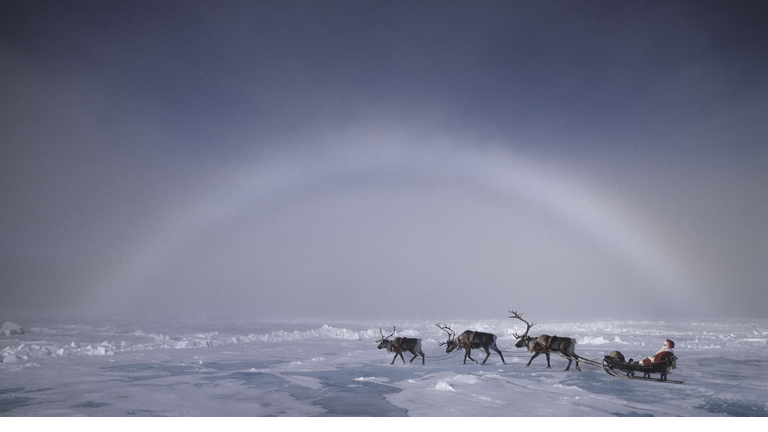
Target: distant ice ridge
(25, 352)
(34, 342)
(139, 341)
(325, 331)
(599, 340)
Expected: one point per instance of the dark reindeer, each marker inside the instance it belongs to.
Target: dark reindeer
(400, 344)
(545, 344)
(470, 340)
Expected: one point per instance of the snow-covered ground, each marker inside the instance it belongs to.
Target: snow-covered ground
(252, 369)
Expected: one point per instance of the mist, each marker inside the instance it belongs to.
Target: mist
(366, 160)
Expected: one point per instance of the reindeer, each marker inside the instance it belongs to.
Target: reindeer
(400, 344)
(470, 340)
(545, 344)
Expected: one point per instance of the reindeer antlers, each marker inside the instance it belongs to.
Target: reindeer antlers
(383, 338)
(447, 329)
(520, 317)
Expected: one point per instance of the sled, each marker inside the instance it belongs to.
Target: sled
(615, 365)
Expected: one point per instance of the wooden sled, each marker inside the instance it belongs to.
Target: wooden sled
(615, 365)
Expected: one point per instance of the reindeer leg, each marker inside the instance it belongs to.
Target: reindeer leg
(499, 352)
(393, 359)
(549, 366)
(416, 354)
(534, 356)
(401, 356)
(569, 364)
(467, 353)
(487, 354)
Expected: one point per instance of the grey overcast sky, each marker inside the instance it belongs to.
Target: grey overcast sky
(384, 159)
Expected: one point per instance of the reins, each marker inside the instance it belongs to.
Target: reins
(581, 359)
(443, 357)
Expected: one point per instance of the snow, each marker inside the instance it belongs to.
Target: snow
(294, 369)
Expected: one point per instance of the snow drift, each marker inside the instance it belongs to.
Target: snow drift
(334, 369)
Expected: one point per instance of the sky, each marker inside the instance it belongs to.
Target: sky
(384, 160)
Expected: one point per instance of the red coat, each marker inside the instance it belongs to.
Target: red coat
(659, 357)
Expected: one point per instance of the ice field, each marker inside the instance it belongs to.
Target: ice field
(253, 369)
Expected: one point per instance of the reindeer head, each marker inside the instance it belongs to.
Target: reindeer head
(384, 342)
(523, 342)
(451, 344)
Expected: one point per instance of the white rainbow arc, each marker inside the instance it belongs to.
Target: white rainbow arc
(497, 170)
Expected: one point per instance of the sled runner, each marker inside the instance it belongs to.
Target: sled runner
(615, 365)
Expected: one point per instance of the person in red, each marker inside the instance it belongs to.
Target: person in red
(666, 351)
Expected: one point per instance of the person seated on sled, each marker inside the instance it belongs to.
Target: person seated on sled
(666, 351)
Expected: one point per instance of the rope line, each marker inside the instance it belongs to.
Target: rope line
(457, 352)
(443, 357)
(581, 359)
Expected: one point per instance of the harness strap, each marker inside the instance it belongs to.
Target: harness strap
(541, 347)
(549, 342)
(468, 344)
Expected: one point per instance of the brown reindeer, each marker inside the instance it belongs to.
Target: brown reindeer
(400, 344)
(545, 344)
(470, 340)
